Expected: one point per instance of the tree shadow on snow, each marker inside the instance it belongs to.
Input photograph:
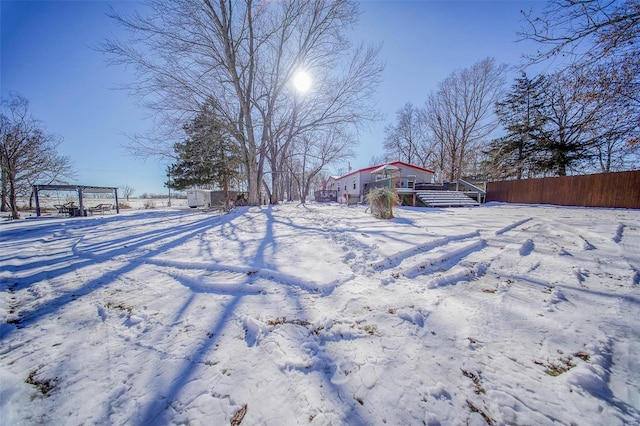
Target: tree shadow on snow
(179, 234)
(246, 285)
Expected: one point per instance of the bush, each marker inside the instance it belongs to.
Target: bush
(381, 202)
(123, 206)
(149, 204)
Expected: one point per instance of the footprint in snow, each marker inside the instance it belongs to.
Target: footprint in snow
(368, 375)
(473, 344)
(348, 257)
(102, 313)
(563, 252)
(411, 315)
(526, 248)
(134, 320)
(556, 297)
(587, 245)
(343, 372)
(439, 402)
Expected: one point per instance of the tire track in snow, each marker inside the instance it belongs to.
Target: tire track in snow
(628, 238)
(443, 258)
(511, 251)
(398, 258)
(445, 261)
(443, 264)
(578, 237)
(624, 371)
(512, 226)
(228, 279)
(582, 237)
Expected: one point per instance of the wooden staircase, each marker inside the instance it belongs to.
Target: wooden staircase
(446, 199)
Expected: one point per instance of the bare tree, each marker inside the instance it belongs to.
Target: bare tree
(379, 159)
(590, 32)
(611, 26)
(314, 152)
(601, 40)
(243, 54)
(27, 154)
(409, 138)
(568, 132)
(127, 191)
(613, 122)
(54, 169)
(616, 147)
(567, 122)
(460, 113)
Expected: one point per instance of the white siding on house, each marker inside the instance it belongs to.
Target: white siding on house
(353, 184)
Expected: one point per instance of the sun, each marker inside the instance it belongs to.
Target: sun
(302, 81)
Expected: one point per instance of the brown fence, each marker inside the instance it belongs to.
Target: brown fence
(620, 189)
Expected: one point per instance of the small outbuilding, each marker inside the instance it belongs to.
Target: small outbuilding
(210, 198)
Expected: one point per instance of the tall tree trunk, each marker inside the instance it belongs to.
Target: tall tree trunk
(275, 176)
(13, 198)
(4, 204)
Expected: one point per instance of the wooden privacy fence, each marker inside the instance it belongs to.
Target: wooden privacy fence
(621, 189)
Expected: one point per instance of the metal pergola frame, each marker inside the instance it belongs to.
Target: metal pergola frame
(80, 189)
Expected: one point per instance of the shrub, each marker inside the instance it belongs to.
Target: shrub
(381, 202)
(149, 204)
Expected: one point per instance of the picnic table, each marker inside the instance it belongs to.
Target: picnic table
(70, 209)
(65, 209)
(101, 208)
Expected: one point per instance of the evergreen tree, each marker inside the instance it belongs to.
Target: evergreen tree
(208, 157)
(520, 113)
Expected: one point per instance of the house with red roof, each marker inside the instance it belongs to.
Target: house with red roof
(352, 187)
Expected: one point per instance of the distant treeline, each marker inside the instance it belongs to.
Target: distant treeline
(178, 195)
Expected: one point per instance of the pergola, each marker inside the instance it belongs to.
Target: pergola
(80, 190)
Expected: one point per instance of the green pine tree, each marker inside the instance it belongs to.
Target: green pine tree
(208, 157)
(520, 113)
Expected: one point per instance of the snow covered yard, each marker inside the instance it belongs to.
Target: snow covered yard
(321, 315)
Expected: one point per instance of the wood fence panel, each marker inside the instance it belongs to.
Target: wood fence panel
(621, 189)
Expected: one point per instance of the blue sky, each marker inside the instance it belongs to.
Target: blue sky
(46, 56)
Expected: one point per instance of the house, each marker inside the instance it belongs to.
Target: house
(402, 176)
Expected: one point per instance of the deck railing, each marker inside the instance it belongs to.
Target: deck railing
(471, 189)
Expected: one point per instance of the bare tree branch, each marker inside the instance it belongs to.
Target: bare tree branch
(460, 113)
(243, 55)
(27, 154)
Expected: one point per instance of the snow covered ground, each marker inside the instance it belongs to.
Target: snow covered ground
(47, 204)
(321, 314)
